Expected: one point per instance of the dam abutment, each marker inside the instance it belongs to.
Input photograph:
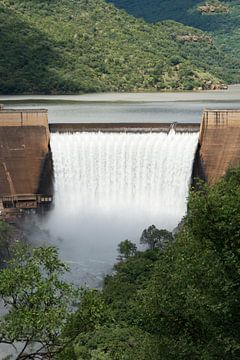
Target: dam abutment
(24, 152)
(219, 144)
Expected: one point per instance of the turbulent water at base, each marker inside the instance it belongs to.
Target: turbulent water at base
(110, 186)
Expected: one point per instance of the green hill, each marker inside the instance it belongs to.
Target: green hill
(63, 46)
(223, 15)
(221, 18)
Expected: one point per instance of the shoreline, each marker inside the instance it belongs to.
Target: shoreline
(232, 94)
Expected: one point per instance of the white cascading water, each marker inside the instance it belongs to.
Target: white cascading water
(110, 186)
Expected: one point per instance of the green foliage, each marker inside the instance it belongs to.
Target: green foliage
(187, 12)
(113, 342)
(89, 46)
(120, 290)
(38, 302)
(91, 314)
(155, 238)
(191, 303)
(126, 249)
(218, 210)
(223, 25)
(5, 237)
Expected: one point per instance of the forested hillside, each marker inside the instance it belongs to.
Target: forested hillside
(221, 18)
(222, 15)
(63, 46)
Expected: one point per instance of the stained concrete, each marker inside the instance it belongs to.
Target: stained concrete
(219, 141)
(24, 147)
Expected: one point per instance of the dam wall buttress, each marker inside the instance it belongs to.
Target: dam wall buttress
(219, 143)
(24, 151)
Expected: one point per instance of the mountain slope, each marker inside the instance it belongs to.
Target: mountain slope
(222, 18)
(87, 45)
(187, 12)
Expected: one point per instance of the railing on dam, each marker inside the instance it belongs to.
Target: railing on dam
(24, 201)
(12, 206)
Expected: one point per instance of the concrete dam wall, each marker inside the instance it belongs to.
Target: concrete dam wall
(219, 144)
(24, 159)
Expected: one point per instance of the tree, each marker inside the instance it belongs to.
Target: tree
(126, 249)
(37, 300)
(191, 304)
(154, 237)
(90, 315)
(5, 237)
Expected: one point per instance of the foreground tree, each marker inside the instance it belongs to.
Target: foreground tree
(191, 304)
(38, 302)
(155, 238)
(5, 239)
(126, 249)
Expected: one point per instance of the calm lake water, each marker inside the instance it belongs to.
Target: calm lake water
(140, 107)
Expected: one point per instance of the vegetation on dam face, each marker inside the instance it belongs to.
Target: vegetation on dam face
(178, 299)
(79, 46)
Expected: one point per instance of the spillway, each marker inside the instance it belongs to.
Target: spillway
(110, 186)
(113, 173)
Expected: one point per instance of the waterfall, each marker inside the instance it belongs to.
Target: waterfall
(110, 186)
(116, 172)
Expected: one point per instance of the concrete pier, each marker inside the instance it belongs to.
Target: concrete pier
(219, 143)
(24, 150)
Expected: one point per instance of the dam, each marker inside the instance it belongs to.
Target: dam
(26, 168)
(111, 181)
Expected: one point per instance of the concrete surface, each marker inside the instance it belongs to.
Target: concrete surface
(219, 141)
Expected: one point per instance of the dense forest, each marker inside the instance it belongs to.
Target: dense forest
(178, 299)
(220, 18)
(77, 46)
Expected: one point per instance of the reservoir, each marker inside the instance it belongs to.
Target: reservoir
(124, 107)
